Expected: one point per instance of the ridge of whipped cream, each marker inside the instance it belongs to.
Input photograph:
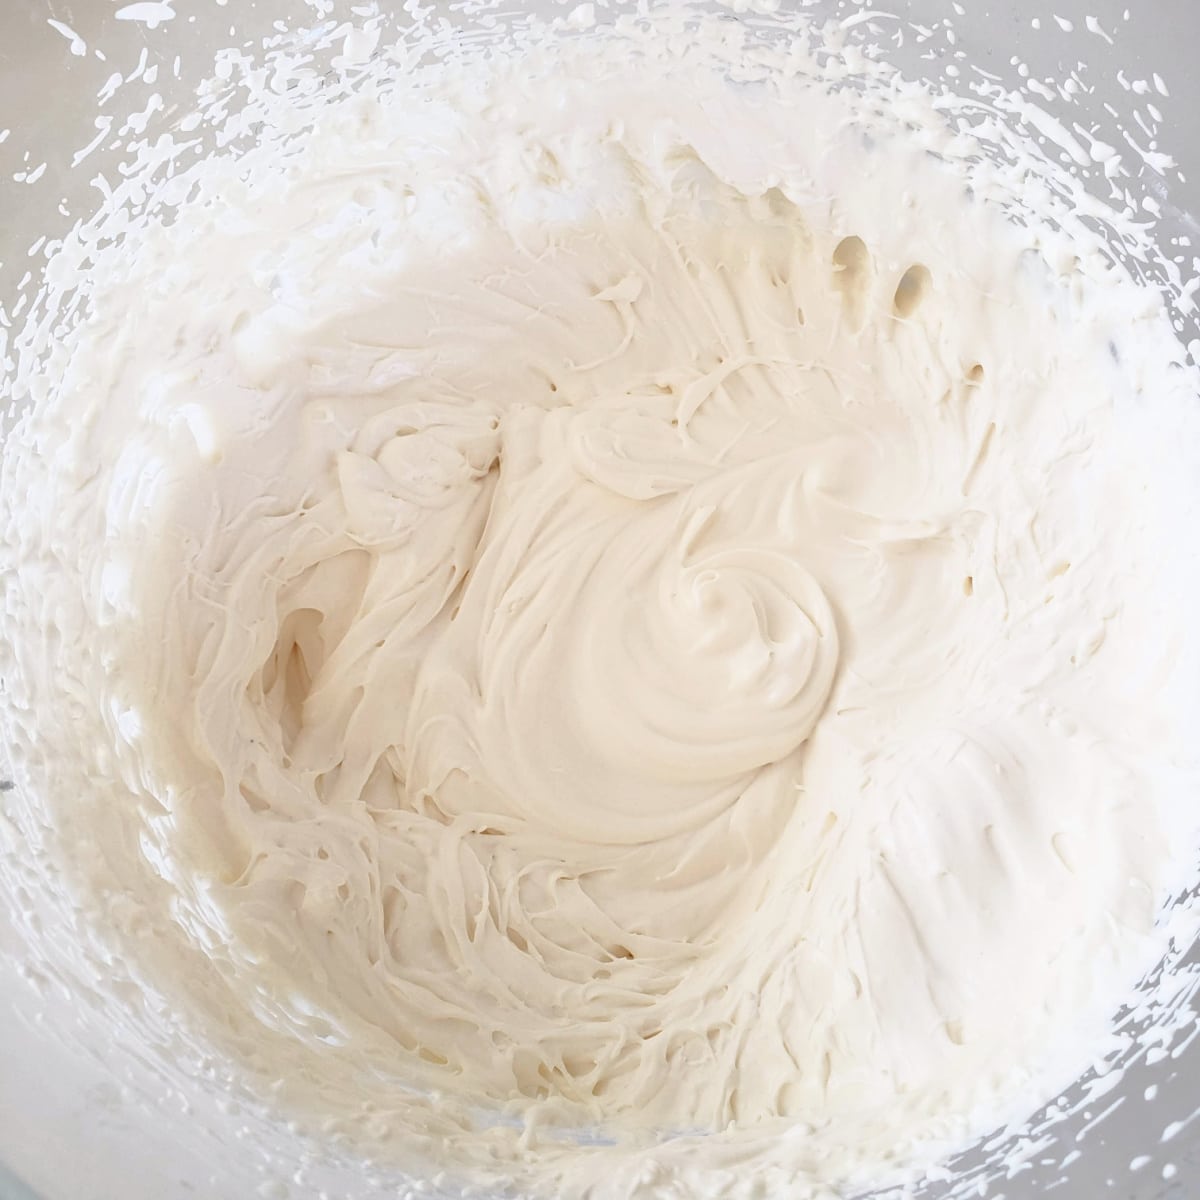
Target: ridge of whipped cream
(606, 629)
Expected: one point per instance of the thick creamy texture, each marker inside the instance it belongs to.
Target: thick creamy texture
(654, 614)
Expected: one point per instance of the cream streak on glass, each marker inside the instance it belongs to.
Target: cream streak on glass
(647, 609)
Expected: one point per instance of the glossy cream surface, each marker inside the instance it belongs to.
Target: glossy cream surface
(654, 614)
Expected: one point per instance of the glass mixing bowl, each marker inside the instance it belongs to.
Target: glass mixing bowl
(71, 1127)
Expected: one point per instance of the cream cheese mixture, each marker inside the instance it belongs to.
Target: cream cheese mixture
(654, 609)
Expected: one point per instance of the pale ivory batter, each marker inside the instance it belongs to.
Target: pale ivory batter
(648, 610)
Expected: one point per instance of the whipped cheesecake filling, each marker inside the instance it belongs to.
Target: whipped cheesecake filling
(655, 611)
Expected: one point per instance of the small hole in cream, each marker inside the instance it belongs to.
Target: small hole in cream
(852, 277)
(912, 289)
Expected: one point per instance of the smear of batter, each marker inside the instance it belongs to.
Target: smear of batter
(655, 611)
